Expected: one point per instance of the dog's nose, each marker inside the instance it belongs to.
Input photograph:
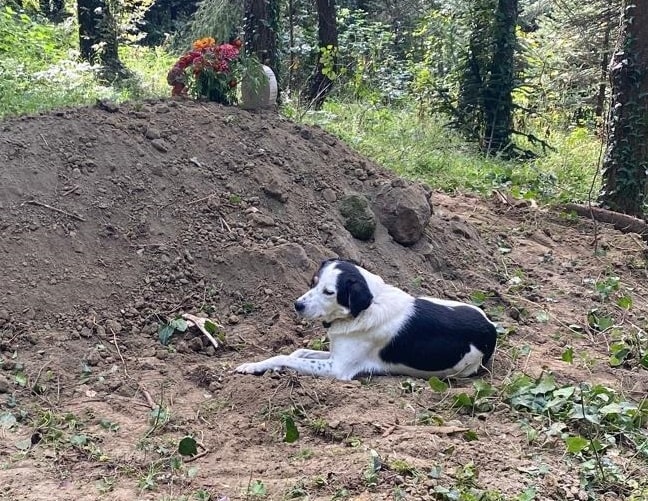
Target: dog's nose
(299, 306)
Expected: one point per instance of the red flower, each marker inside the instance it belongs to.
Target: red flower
(228, 51)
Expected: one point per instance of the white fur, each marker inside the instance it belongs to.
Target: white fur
(355, 343)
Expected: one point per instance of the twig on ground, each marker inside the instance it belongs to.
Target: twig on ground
(140, 386)
(55, 209)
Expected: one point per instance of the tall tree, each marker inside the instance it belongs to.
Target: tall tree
(98, 36)
(321, 81)
(626, 159)
(485, 107)
(261, 31)
(54, 10)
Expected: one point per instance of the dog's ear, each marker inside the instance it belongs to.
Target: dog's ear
(354, 293)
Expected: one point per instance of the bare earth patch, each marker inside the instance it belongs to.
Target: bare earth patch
(112, 224)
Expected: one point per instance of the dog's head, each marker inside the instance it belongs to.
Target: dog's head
(339, 290)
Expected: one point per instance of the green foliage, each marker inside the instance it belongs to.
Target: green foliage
(188, 446)
(420, 147)
(165, 331)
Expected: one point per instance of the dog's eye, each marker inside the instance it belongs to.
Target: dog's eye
(328, 292)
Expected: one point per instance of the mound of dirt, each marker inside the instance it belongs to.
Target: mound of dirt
(163, 206)
(115, 219)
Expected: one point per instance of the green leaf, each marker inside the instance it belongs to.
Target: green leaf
(79, 440)
(470, 436)
(211, 327)
(568, 355)
(542, 316)
(24, 445)
(546, 384)
(483, 389)
(20, 378)
(462, 400)
(7, 421)
(576, 444)
(624, 302)
(437, 385)
(644, 361)
(256, 488)
(291, 433)
(179, 324)
(188, 446)
(165, 332)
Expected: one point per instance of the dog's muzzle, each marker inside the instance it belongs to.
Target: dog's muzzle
(300, 306)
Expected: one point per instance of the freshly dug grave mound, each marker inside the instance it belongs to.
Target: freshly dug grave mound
(157, 207)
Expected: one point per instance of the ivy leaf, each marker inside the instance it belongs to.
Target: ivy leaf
(546, 384)
(291, 433)
(437, 385)
(165, 332)
(7, 420)
(462, 400)
(188, 446)
(24, 445)
(576, 444)
(624, 302)
(179, 324)
(568, 355)
(20, 378)
(79, 440)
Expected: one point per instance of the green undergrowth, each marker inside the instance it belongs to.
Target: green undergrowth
(40, 68)
(423, 148)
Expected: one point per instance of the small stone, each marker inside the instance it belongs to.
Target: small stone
(329, 195)
(8, 364)
(113, 326)
(233, 319)
(195, 344)
(160, 145)
(161, 354)
(86, 332)
(5, 387)
(93, 359)
(306, 134)
(210, 350)
(152, 133)
(4, 315)
(262, 220)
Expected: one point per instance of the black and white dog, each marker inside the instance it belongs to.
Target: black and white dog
(375, 328)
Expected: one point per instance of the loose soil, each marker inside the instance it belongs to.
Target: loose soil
(116, 219)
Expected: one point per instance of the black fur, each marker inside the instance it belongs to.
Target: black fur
(435, 338)
(352, 288)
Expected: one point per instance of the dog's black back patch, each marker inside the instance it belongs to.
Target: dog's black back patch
(352, 288)
(436, 338)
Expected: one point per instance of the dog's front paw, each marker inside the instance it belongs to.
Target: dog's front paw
(253, 368)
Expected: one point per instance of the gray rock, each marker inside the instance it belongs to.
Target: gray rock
(404, 211)
(329, 195)
(359, 220)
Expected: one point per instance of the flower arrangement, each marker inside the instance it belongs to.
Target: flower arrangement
(208, 71)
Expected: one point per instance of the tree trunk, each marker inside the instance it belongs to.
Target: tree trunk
(498, 97)
(261, 26)
(321, 83)
(54, 10)
(484, 109)
(626, 158)
(98, 36)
